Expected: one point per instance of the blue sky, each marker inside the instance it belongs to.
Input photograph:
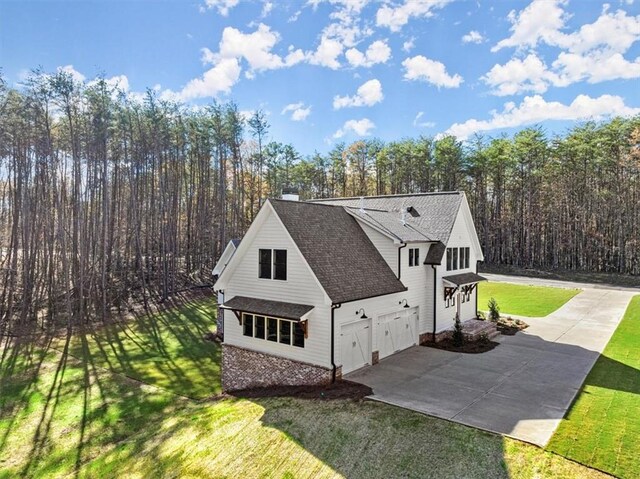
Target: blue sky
(340, 70)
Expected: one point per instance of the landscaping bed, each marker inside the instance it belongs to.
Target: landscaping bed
(509, 326)
(339, 390)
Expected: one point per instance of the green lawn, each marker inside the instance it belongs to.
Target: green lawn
(602, 428)
(523, 300)
(73, 409)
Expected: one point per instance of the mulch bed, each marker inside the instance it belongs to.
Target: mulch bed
(509, 326)
(339, 390)
(469, 347)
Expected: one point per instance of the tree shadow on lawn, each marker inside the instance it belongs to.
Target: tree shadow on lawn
(72, 412)
(164, 349)
(60, 404)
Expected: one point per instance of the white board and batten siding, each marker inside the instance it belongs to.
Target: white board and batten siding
(388, 314)
(300, 287)
(460, 237)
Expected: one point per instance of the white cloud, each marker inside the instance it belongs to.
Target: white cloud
(378, 52)
(266, 9)
(535, 109)
(395, 17)
(473, 37)
(223, 6)
(327, 53)
(294, 18)
(541, 20)
(409, 45)
(75, 74)
(368, 94)
(359, 127)
(298, 111)
(218, 79)
(518, 76)
(420, 68)
(592, 53)
(612, 32)
(422, 124)
(254, 47)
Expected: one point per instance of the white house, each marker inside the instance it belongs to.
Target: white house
(319, 289)
(224, 259)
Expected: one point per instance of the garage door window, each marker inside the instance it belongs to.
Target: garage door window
(276, 330)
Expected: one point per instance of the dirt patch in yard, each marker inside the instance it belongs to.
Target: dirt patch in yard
(338, 390)
(469, 347)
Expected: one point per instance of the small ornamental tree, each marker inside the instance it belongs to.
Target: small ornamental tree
(458, 336)
(494, 310)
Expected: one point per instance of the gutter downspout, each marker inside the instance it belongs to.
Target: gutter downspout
(334, 306)
(435, 291)
(404, 245)
(477, 291)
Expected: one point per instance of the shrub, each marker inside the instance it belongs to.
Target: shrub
(481, 316)
(458, 336)
(484, 338)
(494, 310)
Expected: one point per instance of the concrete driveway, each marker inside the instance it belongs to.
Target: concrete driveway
(522, 388)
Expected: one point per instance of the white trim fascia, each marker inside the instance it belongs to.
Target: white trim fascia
(473, 232)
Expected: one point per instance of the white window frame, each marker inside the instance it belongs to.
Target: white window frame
(273, 264)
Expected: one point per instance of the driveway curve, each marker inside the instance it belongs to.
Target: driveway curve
(523, 387)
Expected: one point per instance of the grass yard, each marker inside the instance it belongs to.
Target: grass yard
(120, 403)
(602, 428)
(523, 300)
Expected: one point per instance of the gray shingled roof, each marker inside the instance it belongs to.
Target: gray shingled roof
(464, 278)
(340, 254)
(435, 253)
(266, 307)
(391, 223)
(437, 210)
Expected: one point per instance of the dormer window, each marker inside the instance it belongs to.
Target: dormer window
(272, 264)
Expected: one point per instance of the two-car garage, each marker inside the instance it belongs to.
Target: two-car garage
(388, 334)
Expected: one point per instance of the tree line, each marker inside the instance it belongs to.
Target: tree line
(107, 202)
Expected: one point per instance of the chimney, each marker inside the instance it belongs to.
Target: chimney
(290, 194)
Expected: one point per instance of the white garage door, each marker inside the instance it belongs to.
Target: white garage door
(397, 331)
(355, 345)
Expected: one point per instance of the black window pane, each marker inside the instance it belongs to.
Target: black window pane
(260, 327)
(280, 264)
(416, 257)
(410, 256)
(298, 335)
(466, 258)
(264, 266)
(248, 325)
(285, 332)
(454, 261)
(448, 259)
(272, 329)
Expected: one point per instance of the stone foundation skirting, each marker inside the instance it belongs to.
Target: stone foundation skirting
(246, 369)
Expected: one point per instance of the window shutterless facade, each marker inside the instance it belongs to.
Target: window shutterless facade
(458, 258)
(272, 264)
(414, 256)
(276, 330)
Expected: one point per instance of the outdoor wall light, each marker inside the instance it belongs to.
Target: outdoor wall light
(406, 305)
(361, 310)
